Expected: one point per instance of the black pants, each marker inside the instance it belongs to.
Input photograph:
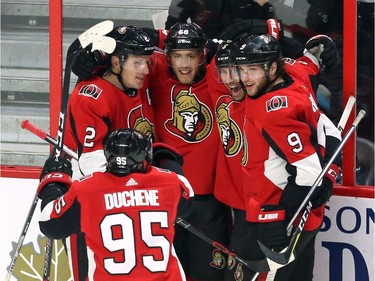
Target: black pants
(200, 260)
(244, 243)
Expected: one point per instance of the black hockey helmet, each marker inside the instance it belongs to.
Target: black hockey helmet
(127, 151)
(185, 36)
(257, 49)
(225, 55)
(132, 40)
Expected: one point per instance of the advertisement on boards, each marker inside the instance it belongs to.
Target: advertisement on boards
(344, 247)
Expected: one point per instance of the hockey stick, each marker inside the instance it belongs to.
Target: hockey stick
(346, 113)
(44, 136)
(284, 256)
(82, 41)
(263, 265)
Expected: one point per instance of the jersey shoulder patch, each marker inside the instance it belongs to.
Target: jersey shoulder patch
(90, 90)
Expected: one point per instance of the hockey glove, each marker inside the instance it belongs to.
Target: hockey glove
(273, 234)
(167, 157)
(55, 179)
(324, 49)
(88, 63)
(253, 27)
(324, 192)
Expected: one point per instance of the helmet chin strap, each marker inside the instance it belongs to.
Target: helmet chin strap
(131, 92)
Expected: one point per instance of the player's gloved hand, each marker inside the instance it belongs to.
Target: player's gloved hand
(167, 157)
(212, 47)
(324, 49)
(253, 27)
(324, 191)
(87, 63)
(270, 223)
(273, 235)
(55, 178)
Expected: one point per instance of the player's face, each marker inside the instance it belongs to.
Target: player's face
(135, 69)
(229, 76)
(185, 64)
(254, 78)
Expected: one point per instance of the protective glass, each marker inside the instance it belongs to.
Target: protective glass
(250, 71)
(139, 64)
(227, 74)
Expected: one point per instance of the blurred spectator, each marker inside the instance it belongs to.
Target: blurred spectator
(326, 16)
(215, 15)
(251, 9)
(211, 15)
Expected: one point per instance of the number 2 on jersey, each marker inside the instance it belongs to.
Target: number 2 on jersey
(90, 135)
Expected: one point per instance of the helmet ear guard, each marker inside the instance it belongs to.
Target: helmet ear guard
(128, 151)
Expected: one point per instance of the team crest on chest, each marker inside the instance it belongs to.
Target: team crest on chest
(90, 90)
(230, 133)
(191, 119)
(139, 122)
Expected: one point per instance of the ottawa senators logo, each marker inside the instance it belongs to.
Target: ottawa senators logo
(218, 259)
(276, 103)
(238, 274)
(137, 121)
(90, 90)
(230, 133)
(191, 119)
(231, 262)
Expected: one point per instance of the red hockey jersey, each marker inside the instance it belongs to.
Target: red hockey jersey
(185, 119)
(95, 109)
(128, 223)
(281, 147)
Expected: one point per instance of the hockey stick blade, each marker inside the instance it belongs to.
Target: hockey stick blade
(284, 256)
(98, 30)
(346, 113)
(256, 265)
(105, 44)
(46, 137)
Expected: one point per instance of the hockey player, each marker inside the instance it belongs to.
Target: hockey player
(185, 120)
(126, 213)
(116, 99)
(228, 91)
(282, 159)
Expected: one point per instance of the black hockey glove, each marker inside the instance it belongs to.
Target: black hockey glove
(55, 179)
(273, 234)
(212, 47)
(167, 157)
(324, 192)
(253, 27)
(88, 63)
(324, 49)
